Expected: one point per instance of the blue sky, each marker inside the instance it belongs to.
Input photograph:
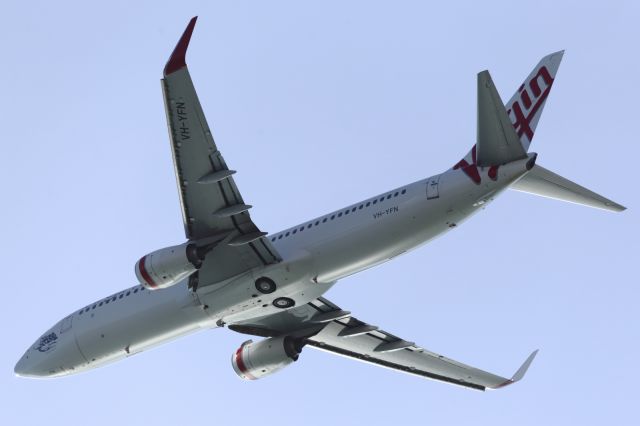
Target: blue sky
(317, 105)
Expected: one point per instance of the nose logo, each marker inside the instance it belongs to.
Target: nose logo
(47, 342)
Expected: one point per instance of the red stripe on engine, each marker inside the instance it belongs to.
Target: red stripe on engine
(145, 275)
(241, 366)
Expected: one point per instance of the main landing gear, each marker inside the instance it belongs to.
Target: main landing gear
(283, 303)
(265, 285)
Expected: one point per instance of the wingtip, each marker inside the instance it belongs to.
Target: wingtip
(524, 367)
(520, 373)
(614, 207)
(177, 60)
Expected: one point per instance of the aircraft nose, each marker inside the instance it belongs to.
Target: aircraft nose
(30, 365)
(52, 355)
(19, 369)
(23, 367)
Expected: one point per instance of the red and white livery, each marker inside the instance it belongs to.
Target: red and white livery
(230, 273)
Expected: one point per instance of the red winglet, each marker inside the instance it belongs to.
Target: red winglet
(177, 59)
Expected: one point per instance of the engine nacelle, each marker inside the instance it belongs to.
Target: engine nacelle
(254, 360)
(168, 266)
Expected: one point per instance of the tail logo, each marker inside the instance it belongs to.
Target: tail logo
(532, 96)
(472, 171)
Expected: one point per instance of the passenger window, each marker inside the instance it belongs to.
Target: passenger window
(403, 191)
(368, 203)
(346, 212)
(294, 231)
(120, 297)
(388, 196)
(396, 194)
(279, 237)
(100, 304)
(333, 217)
(353, 209)
(273, 239)
(93, 307)
(135, 291)
(374, 201)
(317, 222)
(128, 293)
(361, 206)
(309, 226)
(286, 235)
(324, 220)
(340, 214)
(301, 228)
(381, 199)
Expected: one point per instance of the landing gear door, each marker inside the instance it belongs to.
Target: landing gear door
(432, 187)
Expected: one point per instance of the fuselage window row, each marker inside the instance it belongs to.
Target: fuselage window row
(110, 299)
(333, 216)
(276, 237)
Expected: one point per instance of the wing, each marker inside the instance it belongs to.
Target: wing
(212, 208)
(333, 330)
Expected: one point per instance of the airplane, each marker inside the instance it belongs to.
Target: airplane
(229, 273)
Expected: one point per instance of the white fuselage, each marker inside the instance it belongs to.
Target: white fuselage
(315, 255)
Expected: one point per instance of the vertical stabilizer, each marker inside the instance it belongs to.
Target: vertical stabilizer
(525, 106)
(523, 112)
(497, 142)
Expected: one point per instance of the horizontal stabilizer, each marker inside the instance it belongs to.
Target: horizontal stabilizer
(543, 182)
(497, 141)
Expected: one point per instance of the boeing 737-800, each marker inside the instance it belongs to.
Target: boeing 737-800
(230, 273)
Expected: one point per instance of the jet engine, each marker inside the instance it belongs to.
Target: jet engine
(168, 266)
(254, 360)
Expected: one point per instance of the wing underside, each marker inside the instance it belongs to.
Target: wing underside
(333, 330)
(212, 208)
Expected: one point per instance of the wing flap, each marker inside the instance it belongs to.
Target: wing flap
(392, 352)
(352, 338)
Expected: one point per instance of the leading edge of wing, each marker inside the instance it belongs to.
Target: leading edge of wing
(177, 60)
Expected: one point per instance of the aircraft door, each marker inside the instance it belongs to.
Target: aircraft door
(432, 187)
(65, 324)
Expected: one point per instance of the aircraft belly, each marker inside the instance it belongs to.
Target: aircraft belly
(238, 299)
(132, 325)
(379, 240)
(412, 225)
